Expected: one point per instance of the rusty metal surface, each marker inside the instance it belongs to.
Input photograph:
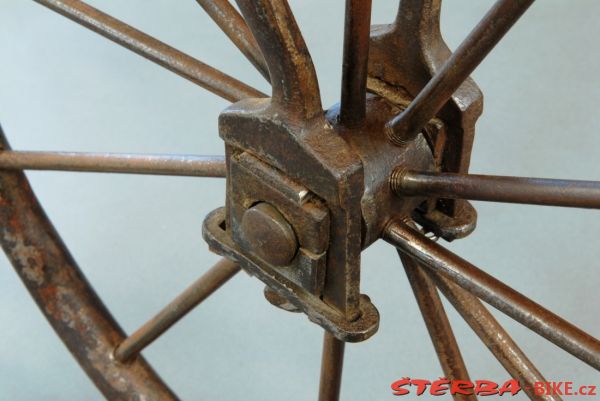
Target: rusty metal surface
(493, 335)
(233, 25)
(525, 311)
(301, 298)
(535, 191)
(494, 25)
(64, 296)
(293, 77)
(404, 56)
(301, 144)
(332, 364)
(438, 325)
(377, 155)
(266, 233)
(153, 49)
(303, 219)
(126, 163)
(308, 189)
(355, 62)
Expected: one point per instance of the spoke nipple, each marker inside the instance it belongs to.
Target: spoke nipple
(397, 180)
(396, 136)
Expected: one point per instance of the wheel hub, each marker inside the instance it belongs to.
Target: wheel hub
(299, 213)
(328, 182)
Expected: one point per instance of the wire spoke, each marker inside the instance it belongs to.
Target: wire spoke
(234, 26)
(180, 63)
(64, 295)
(211, 281)
(183, 165)
(494, 337)
(332, 363)
(499, 295)
(536, 191)
(494, 25)
(355, 64)
(437, 324)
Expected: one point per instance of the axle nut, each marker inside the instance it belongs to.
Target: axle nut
(267, 234)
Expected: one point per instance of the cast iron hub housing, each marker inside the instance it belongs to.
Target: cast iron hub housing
(306, 193)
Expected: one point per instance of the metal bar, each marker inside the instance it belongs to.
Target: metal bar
(332, 363)
(294, 84)
(499, 295)
(437, 324)
(494, 337)
(183, 165)
(355, 64)
(65, 297)
(233, 25)
(211, 281)
(154, 50)
(535, 191)
(482, 39)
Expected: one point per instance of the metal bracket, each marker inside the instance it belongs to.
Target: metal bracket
(219, 240)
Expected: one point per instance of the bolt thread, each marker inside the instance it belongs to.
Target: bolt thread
(399, 135)
(397, 179)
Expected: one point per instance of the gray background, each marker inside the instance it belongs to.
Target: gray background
(138, 238)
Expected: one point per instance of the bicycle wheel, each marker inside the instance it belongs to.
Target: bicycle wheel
(299, 204)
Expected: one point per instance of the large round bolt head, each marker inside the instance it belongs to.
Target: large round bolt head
(268, 234)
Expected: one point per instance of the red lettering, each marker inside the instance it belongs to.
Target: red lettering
(512, 386)
(397, 386)
(539, 388)
(583, 390)
(439, 387)
(486, 388)
(421, 385)
(568, 388)
(556, 388)
(462, 387)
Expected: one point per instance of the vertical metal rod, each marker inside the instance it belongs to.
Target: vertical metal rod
(154, 50)
(494, 337)
(214, 278)
(482, 39)
(437, 324)
(234, 26)
(355, 64)
(530, 314)
(332, 363)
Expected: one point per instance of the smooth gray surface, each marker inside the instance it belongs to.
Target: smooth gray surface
(65, 88)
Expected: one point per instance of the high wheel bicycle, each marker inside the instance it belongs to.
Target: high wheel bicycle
(308, 190)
